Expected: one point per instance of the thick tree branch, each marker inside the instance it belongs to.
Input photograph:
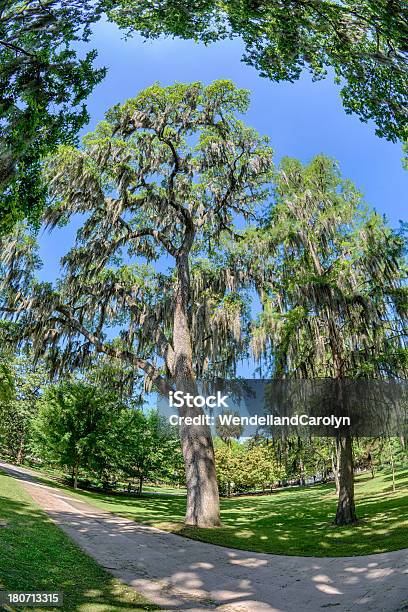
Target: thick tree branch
(176, 169)
(158, 236)
(160, 383)
(233, 182)
(18, 49)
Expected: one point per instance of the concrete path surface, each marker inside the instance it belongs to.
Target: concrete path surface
(182, 574)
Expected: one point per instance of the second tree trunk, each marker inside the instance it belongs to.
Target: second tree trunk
(346, 510)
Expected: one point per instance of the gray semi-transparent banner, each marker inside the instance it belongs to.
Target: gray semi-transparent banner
(319, 407)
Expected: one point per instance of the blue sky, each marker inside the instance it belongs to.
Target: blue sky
(301, 119)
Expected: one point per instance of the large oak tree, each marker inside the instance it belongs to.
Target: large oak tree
(158, 183)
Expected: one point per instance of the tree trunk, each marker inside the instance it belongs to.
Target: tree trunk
(75, 476)
(202, 488)
(203, 506)
(140, 484)
(21, 450)
(335, 470)
(392, 464)
(346, 511)
(302, 472)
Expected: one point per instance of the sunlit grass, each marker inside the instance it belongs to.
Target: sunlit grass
(297, 521)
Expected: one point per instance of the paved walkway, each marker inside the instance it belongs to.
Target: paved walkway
(182, 574)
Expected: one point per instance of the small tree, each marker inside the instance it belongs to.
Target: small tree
(73, 424)
(247, 466)
(229, 460)
(146, 446)
(160, 181)
(259, 469)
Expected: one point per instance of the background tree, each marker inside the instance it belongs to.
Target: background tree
(42, 86)
(260, 469)
(228, 458)
(20, 408)
(335, 302)
(6, 382)
(149, 449)
(160, 180)
(6, 375)
(139, 445)
(229, 431)
(74, 425)
(247, 466)
(363, 43)
(375, 453)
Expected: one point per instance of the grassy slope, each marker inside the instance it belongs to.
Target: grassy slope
(36, 555)
(294, 521)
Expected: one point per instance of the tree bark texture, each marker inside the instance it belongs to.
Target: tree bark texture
(346, 511)
(196, 440)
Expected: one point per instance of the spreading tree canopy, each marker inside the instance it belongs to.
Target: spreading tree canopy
(364, 43)
(42, 86)
(43, 82)
(158, 183)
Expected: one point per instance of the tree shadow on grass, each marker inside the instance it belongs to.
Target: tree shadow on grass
(185, 571)
(294, 521)
(297, 524)
(399, 476)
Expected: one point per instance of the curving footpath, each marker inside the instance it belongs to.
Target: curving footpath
(182, 574)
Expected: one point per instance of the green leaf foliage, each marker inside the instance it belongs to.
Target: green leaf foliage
(43, 83)
(363, 44)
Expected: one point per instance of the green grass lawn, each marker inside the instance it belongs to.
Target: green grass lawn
(294, 521)
(35, 555)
